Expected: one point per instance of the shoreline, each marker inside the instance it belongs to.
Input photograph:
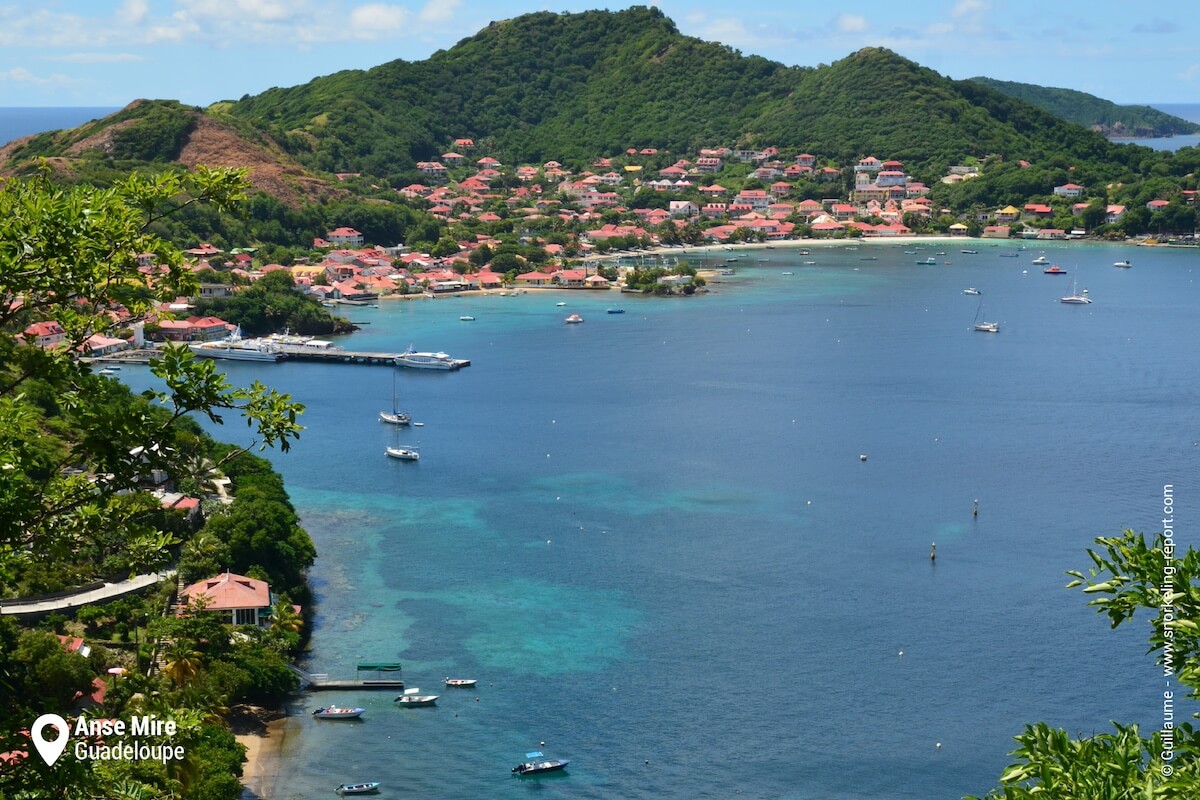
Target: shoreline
(264, 752)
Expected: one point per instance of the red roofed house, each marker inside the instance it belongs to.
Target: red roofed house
(1157, 205)
(1069, 190)
(46, 334)
(245, 600)
(464, 144)
(344, 237)
(1114, 214)
(534, 279)
(207, 329)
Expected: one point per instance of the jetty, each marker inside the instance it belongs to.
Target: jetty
(290, 353)
(320, 682)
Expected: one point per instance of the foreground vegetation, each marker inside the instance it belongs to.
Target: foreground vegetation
(76, 451)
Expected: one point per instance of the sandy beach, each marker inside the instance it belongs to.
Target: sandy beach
(264, 757)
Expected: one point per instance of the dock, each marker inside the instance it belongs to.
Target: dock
(290, 353)
(320, 682)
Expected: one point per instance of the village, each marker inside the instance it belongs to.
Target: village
(598, 215)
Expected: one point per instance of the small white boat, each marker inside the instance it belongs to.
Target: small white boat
(403, 453)
(413, 697)
(395, 416)
(466, 319)
(560, 304)
(107, 371)
(787, 273)
(1041, 261)
(1124, 264)
(988, 327)
(536, 763)
(358, 788)
(574, 319)
(971, 290)
(336, 712)
(462, 682)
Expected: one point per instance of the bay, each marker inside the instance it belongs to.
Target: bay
(652, 540)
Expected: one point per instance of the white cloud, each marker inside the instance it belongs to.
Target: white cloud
(376, 20)
(1190, 73)
(22, 75)
(97, 58)
(439, 11)
(851, 23)
(968, 8)
(132, 12)
(939, 29)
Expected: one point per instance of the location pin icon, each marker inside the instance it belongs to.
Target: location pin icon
(50, 749)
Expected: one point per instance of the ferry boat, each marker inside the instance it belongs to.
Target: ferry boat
(415, 360)
(238, 350)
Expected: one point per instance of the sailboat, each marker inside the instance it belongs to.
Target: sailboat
(1075, 297)
(395, 417)
(985, 327)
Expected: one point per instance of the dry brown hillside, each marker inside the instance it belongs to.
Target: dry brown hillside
(213, 144)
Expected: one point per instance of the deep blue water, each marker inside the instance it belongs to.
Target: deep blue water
(16, 122)
(651, 538)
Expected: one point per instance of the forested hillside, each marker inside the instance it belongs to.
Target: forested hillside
(1095, 112)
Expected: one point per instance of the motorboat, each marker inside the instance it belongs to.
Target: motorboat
(106, 371)
(928, 261)
(1054, 270)
(413, 697)
(1041, 261)
(988, 327)
(574, 319)
(338, 712)
(358, 788)
(1123, 264)
(971, 252)
(537, 764)
(560, 304)
(460, 682)
(971, 290)
(403, 453)
(787, 273)
(466, 318)
(415, 360)
(615, 311)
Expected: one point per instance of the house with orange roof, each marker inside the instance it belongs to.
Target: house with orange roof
(242, 600)
(997, 232)
(535, 278)
(1115, 213)
(452, 158)
(1157, 205)
(45, 334)
(709, 164)
(464, 144)
(1069, 190)
(344, 237)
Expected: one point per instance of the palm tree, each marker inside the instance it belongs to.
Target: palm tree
(285, 618)
(181, 662)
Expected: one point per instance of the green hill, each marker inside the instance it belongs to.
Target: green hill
(1096, 113)
(574, 86)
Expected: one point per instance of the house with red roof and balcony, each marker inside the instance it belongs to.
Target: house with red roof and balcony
(241, 600)
(46, 334)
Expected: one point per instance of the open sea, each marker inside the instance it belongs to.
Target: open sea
(16, 122)
(652, 540)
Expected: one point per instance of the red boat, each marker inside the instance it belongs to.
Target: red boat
(1055, 270)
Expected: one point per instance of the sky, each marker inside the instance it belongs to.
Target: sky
(110, 52)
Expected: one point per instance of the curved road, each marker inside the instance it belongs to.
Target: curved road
(108, 591)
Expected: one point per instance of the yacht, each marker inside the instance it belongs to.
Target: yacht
(1124, 263)
(404, 453)
(416, 360)
(971, 290)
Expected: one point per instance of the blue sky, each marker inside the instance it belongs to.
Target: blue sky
(109, 52)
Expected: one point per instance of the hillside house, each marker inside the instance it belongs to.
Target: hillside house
(1069, 190)
(241, 600)
(46, 334)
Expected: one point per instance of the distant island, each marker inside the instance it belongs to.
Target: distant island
(1102, 116)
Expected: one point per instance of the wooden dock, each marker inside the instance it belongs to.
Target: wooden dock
(328, 685)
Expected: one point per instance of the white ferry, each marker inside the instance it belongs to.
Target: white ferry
(415, 360)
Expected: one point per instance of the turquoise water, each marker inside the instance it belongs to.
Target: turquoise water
(651, 538)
